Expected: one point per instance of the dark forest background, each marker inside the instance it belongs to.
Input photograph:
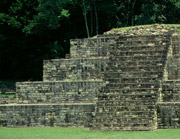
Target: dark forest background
(34, 30)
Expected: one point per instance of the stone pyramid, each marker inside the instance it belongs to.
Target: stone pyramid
(124, 79)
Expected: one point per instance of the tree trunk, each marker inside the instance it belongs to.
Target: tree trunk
(128, 13)
(132, 13)
(85, 18)
(96, 15)
(91, 19)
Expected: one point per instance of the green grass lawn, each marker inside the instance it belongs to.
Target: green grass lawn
(82, 133)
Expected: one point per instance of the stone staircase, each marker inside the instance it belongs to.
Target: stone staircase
(133, 72)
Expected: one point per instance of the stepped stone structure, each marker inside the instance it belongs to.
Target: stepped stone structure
(125, 79)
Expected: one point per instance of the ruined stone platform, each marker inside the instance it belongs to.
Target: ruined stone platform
(124, 79)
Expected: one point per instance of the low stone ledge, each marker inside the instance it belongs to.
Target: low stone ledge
(84, 91)
(40, 115)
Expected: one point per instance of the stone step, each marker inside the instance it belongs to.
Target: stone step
(138, 53)
(103, 51)
(137, 48)
(126, 97)
(131, 80)
(137, 63)
(125, 108)
(134, 68)
(134, 127)
(125, 125)
(112, 103)
(130, 91)
(128, 114)
(142, 38)
(137, 74)
(121, 120)
(136, 58)
(150, 43)
(132, 85)
(104, 103)
(84, 55)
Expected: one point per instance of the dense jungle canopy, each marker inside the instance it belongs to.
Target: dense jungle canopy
(34, 30)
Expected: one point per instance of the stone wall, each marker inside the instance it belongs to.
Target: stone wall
(74, 69)
(35, 115)
(92, 47)
(58, 92)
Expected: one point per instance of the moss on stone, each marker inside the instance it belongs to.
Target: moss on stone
(166, 26)
(8, 95)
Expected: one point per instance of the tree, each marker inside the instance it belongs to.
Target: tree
(48, 17)
(156, 11)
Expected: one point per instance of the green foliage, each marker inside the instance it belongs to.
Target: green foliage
(34, 30)
(155, 11)
(64, 13)
(10, 21)
(49, 16)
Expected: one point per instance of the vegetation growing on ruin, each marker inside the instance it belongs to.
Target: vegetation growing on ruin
(8, 95)
(166, 26)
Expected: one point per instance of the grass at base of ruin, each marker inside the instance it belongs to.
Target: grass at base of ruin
(82, 133)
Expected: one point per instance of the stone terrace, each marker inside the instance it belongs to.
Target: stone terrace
(125, 79)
